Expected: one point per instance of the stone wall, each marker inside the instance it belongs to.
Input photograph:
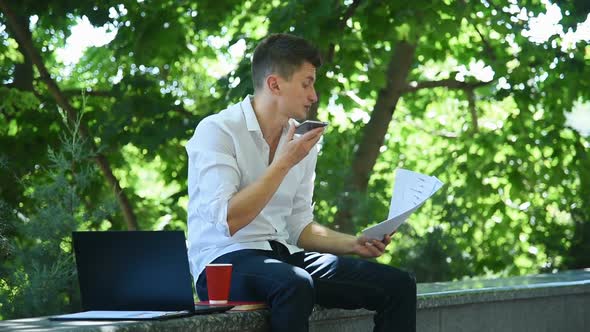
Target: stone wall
(550, 302)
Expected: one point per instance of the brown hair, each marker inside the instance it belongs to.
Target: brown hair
(282, 54)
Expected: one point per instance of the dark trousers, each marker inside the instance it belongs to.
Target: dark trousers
(293, 284)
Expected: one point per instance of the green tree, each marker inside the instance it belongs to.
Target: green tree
(38, 274)
(401, 71)
(455, 89)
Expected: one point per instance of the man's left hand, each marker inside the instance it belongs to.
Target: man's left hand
(370, 248)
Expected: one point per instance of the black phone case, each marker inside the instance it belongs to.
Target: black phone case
(307, 126)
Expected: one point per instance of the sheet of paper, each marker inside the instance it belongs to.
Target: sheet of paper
(410, 191)
(106, 314)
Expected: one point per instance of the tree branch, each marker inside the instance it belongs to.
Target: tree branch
(26, 43)
(183, 111)
(472, 110)
(373, 133)
(488, 49)
(468, 87)
(92, 93)
(7, 116)
(341, 25)
(329, 55)
(108, 94)
(442, 134)
(349, 12)
(446, 83)
(23, 72)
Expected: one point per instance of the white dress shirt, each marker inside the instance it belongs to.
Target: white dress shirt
(227, 153)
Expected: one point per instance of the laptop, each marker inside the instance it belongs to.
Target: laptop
(134, 275)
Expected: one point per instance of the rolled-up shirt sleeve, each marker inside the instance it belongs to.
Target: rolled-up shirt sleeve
(302, 213)
(214, 175)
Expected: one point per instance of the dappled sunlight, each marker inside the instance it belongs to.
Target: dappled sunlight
(491, 100)
(579, 118)
(84, 35)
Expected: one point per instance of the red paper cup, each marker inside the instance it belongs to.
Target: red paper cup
(218, 282)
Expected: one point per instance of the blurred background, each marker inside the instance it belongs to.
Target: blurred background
(97, 99)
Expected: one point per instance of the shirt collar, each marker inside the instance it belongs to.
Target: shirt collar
(251, 120)
(250, 116)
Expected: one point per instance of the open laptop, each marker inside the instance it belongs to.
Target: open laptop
(134, 275)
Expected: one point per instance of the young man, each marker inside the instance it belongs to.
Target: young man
(250, 204)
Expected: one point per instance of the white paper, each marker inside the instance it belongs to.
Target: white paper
(410, 191)
(119, 314)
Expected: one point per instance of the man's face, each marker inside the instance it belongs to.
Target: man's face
(298, 94)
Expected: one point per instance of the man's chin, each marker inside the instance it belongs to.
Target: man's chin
(304, 115)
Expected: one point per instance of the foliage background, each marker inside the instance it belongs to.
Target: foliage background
(457, 89)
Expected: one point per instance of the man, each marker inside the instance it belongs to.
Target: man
(250, 204)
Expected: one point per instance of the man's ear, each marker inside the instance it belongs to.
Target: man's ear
(273, 84)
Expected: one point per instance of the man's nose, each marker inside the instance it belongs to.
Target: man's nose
(314, 97)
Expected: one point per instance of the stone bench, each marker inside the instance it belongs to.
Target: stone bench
(546, 302)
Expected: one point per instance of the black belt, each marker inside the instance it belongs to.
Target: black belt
(279, 249)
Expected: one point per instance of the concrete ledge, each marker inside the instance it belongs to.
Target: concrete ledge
(433, 295)
(550, 302)
(546, 302)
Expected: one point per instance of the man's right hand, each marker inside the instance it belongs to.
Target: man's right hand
(247, 203)
(298, 148)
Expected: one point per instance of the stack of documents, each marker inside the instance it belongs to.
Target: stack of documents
(410, 191)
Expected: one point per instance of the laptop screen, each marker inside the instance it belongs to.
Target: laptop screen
(133, 270)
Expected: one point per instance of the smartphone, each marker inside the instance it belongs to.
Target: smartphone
(309, 125)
